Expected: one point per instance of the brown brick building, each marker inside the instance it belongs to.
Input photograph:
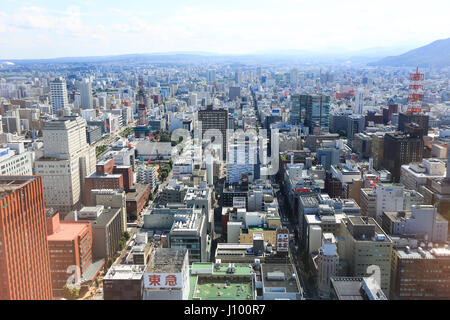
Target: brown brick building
(137, 197)
(70, 244)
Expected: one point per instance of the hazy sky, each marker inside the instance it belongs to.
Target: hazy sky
(54, 28)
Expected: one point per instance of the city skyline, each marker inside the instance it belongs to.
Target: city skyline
(49, 29)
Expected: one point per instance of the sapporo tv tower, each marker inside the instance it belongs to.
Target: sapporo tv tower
(415, 95)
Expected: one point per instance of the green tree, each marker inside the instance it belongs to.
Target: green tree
(122, 242)
(71, 292)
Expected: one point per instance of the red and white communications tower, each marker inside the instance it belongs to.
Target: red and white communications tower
(415, 95)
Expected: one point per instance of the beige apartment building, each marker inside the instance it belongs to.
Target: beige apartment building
(366, 248)
(67, 160)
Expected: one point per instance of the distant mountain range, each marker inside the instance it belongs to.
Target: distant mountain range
(435, 54)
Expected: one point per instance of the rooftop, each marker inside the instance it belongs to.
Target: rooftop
(106, 216)
(419, 253)
(347, 288)
(166, 260)
(125, 272)
(280, 276)
(68, 231)
(10, 184)
(212, 285)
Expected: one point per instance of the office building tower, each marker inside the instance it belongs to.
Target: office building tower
(400, 149)
(328, 157)
(367, 250)
(377, 150)
(102, 101)
(293, 77)
(418, 118)
(211, 77)
(193, 99)
(338, 123)
(238, 76)
(297, 113)
(421, 273)
(242, 159)
(107, 230)
(190, 231)
(359, 101)
(58, 94)
(259, 73)
(317, 111)
(67, 160)
(24, 256)
(86, 94)
(11, 124)
(388, 112)
(389, 198)
(235, 93)
(355, 124)
(415, 175)
(421, 222)
(113, 199)
(215, 119)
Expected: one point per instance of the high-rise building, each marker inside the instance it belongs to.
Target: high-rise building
(24, 256)
(297, 113)
(86, 94)
(190, 231)
(215, 119)
(377, 150)
(367, 250)
(259, 73)
(355, 124)
(67, 160)
(422, 222)
(418, 118)
(368, 202)
(234, 93)
(359, 101)
(400, 149)
(389, 198)
(58, 94)
(420, 274)
(293, 77)
(113, 199)
(242, 159)
(238, 76)
(211, 77)
(317, 111)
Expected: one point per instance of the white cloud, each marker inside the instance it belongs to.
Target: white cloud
(257, 26)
